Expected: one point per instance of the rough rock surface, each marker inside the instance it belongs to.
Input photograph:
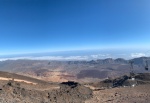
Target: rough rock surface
(13, 92)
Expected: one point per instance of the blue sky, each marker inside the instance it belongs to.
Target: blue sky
(30, 26)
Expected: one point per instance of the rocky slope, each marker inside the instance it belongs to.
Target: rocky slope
(15, 92)
(72, 92)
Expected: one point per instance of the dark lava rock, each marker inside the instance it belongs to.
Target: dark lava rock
(143, 76)
(71, 84)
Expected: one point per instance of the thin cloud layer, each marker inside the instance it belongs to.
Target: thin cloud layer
(101, 56)
(79, 57)
(135, 55)
(90, 57)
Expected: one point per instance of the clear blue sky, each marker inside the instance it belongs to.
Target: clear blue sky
(52, 25)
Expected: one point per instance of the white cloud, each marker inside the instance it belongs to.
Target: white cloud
(135, 55)
(100, 56)
(89, 57)
(77, 58)
(48, 58)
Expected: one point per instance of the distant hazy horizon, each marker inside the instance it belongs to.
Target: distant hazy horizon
(78, 55)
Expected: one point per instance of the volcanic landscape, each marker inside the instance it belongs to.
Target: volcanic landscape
(96, 81)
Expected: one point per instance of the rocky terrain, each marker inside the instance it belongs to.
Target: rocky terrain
(43, 92)
(96, 81)
(81, 71)
(72, 92)
(14, 92)
(138, 94)
(125, 92)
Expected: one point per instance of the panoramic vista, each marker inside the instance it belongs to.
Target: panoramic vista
(74, 51)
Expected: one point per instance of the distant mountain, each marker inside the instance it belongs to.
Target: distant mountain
(73, 70)
(141, 60)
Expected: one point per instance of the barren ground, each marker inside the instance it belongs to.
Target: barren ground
(138, 94)
(22, 89)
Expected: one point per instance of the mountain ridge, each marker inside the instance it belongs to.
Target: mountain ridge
(74, 70)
